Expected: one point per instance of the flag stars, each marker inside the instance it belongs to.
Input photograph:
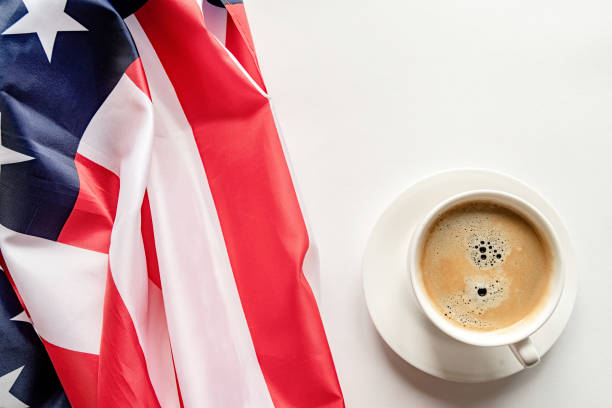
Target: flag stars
(45, 18)
(22, 317)
(8, 156)
(7, 399)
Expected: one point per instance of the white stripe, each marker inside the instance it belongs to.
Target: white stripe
(310, 265)
(215, 19)
(117, 126)
(213, 351)
(62, 286)
(156, 346)
(119, 137)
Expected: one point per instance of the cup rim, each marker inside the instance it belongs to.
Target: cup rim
(504, 336)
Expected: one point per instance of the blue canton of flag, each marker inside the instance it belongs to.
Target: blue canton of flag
(59, 61)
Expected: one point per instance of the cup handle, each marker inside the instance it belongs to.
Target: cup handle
(525, 352)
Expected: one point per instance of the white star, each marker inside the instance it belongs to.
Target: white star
(21, 317)
(8, 156)
(8, 400)
(45, 18)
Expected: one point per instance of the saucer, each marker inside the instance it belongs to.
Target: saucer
(394, 308)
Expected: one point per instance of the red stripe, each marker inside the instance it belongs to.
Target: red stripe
(257, 206)
(239, 42)
(148, 239)
(123, 375)
(136, 73)
(91, 220)
(78, 373)
(178, 386)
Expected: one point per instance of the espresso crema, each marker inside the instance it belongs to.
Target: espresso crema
(485, 266)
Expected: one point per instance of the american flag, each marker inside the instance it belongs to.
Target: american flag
(149, 224)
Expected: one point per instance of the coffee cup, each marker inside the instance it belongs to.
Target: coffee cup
(464, 325)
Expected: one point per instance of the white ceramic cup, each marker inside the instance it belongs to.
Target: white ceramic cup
(517, 335)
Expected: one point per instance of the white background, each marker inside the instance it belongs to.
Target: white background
(374, 95)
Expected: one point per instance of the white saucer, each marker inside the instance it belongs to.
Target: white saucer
(394, 309)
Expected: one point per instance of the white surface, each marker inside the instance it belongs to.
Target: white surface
(373, 96)
(394, 307)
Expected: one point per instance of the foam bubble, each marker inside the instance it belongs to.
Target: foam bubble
(485, 246)
(468, 307)
(492, 253)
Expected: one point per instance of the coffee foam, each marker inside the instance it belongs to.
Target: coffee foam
(484, 262)
(479, 295)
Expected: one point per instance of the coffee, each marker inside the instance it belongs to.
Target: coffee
(485, 266)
